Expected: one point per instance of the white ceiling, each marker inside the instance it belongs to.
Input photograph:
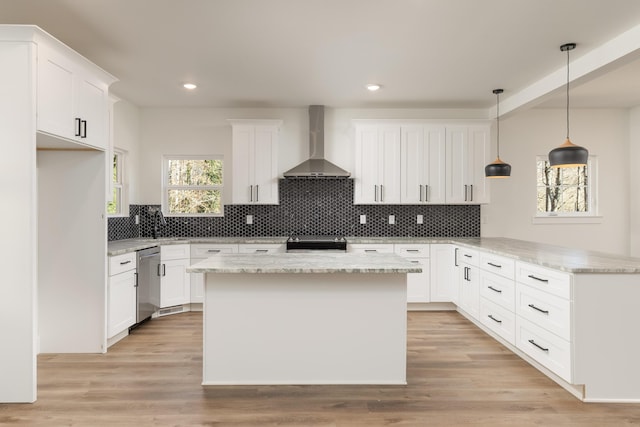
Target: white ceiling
(293, 53)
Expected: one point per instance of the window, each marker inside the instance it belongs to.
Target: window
(566, 191)
(193, 185)
(115, 206)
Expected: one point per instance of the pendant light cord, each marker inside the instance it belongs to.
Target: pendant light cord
(498, 123)
(568, 94)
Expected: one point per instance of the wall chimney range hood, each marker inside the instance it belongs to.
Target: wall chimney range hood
(316, 166)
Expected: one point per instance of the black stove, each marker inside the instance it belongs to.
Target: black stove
(316, 243)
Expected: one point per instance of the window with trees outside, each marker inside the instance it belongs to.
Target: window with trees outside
(193, 185)
(115, 205)
(566, 191)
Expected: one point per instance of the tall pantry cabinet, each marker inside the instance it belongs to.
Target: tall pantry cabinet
(54, 248)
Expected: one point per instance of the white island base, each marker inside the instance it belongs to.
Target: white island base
(305, 328)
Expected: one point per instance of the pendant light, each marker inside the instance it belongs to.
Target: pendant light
(568, 154)
(497, 169)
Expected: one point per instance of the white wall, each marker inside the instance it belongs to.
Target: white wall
(126, 136)
(525, 135)
(634, 186)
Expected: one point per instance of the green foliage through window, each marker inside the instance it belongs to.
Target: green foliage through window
(194, 186)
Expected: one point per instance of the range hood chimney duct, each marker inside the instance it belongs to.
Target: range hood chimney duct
(316, 166)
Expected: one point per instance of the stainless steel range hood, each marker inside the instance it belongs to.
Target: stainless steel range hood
(317, 166)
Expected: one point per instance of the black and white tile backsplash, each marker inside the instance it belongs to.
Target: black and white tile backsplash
(321, 206)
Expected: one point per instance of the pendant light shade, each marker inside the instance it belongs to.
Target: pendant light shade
(568, 154)
(498, 168)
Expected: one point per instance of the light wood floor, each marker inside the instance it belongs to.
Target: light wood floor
(457, 375)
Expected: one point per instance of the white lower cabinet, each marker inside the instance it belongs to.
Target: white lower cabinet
(175, 283)
(498, 319)
(469, 281)
(418, 289)
(443, 286)
(121, 294)
(200, 252)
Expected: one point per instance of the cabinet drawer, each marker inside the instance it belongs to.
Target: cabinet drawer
(467, 256)
(552, 281)
(413, 251)
(498, 289)
(497, 264)
(168, 252)
(202, 251)
(498, 319)
(545, 310)
(546, 348)
(381, 248)
(261, 248)
(121, 263)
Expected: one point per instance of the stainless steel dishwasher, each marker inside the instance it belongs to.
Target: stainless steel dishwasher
(147, 283)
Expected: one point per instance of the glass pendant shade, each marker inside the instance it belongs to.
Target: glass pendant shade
(568, 155)
(498, 168)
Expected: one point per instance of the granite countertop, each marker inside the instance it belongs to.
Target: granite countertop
(570, 260)
(305, 263)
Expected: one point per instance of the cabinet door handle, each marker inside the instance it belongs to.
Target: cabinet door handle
(162, 270)
(539, 309)
(251, 193)
(375, 193)
(426, 192)
(466, 274)
(78, 125)
(262, 251)
(468, 256)
(213, 251)
(381, 193)
(84, 129)
(415, 262)
(531, 276)
(494, 289)
(494, 319)
(125, 262)
(257, 193)
(413, 250)
(420, 187)
(465, 192)
(371, 250)
(494, 265)
(471, 198)
(136, 283)
(455, 257)
(539, 346)
(159, 270)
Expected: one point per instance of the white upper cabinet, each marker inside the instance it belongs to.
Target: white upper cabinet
(72, 100)
(422, 166)
(467, 155)
(377, 168)
(255, 161)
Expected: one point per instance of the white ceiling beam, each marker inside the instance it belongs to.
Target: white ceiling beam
(609, 56)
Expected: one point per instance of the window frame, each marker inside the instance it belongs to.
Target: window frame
(121, 201)
(166, 187)
(591, 215)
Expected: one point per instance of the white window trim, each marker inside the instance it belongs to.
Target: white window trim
(122, 170)
(165, 187)
(591, 217)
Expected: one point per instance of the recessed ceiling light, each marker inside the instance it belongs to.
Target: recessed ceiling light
(189, 86)
(373, 87)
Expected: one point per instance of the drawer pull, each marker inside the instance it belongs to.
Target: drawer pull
(531, 276)
(413, 250)
(213, 251)
(494, 319)
(494, 265)
(539, 346)
(468, 256)
(539, 309)
(494, 289)
(415, 262)
(262, 251)
(125, 262)
(371, 250)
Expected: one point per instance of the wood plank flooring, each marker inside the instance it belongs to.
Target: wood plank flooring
(457, 376)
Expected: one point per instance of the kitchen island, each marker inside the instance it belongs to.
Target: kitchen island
(305, 318)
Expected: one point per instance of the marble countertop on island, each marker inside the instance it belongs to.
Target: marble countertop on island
(305, 263)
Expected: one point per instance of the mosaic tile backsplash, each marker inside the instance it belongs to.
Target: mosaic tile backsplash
(321, 206)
